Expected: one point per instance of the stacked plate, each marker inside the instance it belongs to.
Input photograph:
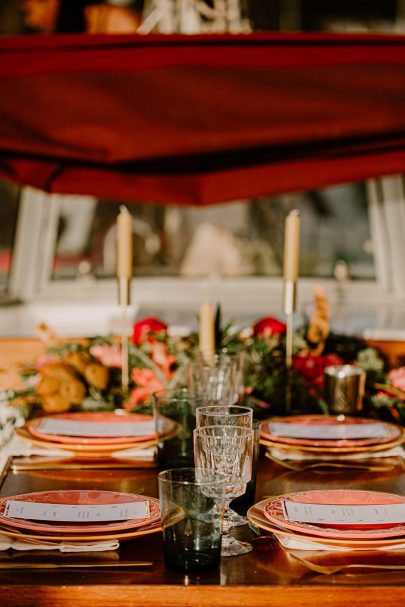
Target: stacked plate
(322, 435)
(78, 516)
(338, 518)
(92, 435)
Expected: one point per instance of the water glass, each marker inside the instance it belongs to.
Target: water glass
(248, 498)
(191, 525)
(223, 415)
(174, 414)
(228, 449)
(213, 383)
(232, 415)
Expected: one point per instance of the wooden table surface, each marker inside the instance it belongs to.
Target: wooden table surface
(266, 576)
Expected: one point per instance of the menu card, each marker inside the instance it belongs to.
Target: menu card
(96, 429)
(73, 513)
(333, 431)
(344, 514)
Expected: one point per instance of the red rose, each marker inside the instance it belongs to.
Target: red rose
(311, 368)
(268, 326)
(143, 327)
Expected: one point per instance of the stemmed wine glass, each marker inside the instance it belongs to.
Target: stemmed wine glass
(228, 449)
(221, 415)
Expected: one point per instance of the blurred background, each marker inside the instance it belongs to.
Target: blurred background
(61, 249)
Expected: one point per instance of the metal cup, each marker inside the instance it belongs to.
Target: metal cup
(344, 388)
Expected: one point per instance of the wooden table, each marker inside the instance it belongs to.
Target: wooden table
(267, 576)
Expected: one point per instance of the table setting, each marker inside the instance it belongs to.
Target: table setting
(172, 445)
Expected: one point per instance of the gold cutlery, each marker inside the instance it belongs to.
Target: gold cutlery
(69, 465)
(302, 466)
(330, 569)
(87, 565)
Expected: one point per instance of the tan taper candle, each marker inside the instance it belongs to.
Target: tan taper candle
(207, 329)
(124, 244)
(291, 246)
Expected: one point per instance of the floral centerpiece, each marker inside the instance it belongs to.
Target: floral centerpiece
(86, 374)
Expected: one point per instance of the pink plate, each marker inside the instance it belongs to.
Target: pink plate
(103, 417)
(80, 497)
(274, 512)
(392, 431)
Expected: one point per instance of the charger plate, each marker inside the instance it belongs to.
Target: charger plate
(307, 449)
(104, 417)
(79, 497)
(87, 451)
(256, 517)
(91, 537)
(274, 512)
(392, 431)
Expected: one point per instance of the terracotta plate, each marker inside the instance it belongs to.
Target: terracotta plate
(104, 417)
(274, 512)
(80, 497)
(392, 431)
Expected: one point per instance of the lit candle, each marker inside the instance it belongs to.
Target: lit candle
(207, 329)
(291, 246)
(124, 244)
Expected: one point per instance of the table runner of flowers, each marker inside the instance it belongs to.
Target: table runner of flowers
(86, 374)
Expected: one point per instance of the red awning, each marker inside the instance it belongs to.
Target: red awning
(200, 119)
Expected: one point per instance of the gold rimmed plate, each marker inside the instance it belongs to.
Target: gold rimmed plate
(88, 451)
(307, 449)
(308, 422)
(79, 497)
(256, 517)
(103, 419)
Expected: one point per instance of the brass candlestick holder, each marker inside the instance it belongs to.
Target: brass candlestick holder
(124, 299)
(290, 301)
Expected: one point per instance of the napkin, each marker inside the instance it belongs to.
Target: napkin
(135, 453)
(20, 447)
(7, 542)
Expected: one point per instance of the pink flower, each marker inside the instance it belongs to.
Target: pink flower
(45, 359)
(268, 326)
(397, 378)
(142, 328)
(109, 356)
(146, 384)
(162, 357)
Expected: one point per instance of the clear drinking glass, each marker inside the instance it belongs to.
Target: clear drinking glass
(221, 415)
(228, 449)
(214, 382)
(218, 378)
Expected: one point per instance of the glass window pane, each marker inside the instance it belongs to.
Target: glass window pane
(9, 196)
(243, 238)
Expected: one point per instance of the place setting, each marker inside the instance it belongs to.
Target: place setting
(76, 520)
(308, 441)
(85, 438)
(332, 529)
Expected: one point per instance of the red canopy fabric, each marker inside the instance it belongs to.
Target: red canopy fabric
(200, 119)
